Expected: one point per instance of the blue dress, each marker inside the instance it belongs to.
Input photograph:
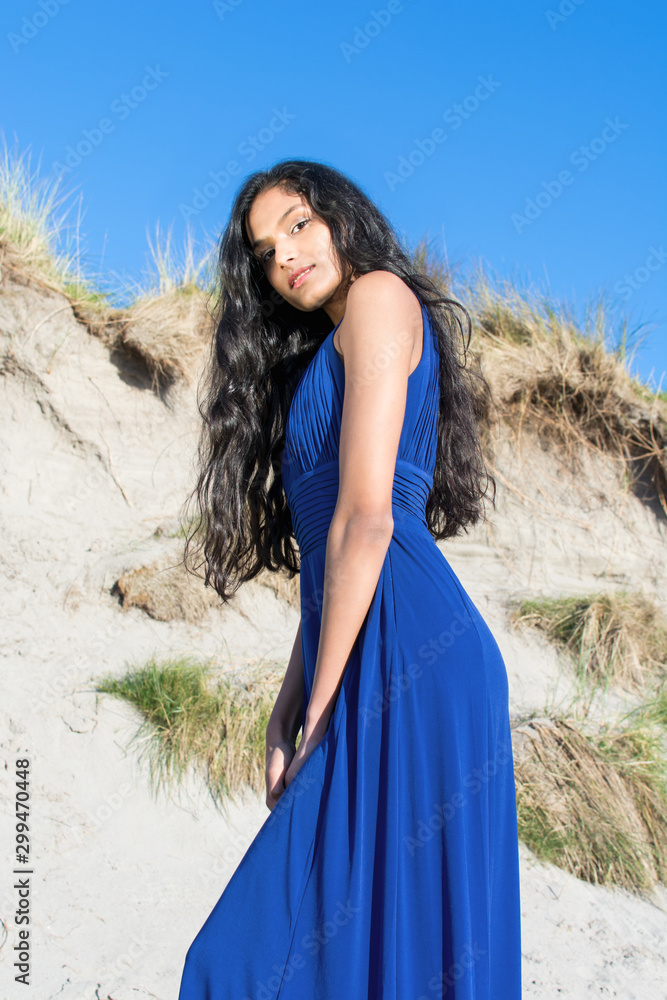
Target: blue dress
(389, 868)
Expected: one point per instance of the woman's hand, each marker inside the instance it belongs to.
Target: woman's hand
(278, 758)
(312, 736)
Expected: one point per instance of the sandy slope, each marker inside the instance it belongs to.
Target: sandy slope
(91, 463)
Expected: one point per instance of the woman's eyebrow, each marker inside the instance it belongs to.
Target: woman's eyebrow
(263, 239)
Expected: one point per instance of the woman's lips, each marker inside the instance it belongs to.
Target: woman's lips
(302, 277)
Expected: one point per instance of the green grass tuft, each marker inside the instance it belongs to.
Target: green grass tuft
(193, 718)
(616, 637)
(595, 805)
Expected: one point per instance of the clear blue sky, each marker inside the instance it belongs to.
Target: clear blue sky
(552, 167)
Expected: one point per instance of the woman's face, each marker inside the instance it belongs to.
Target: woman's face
(295, 250)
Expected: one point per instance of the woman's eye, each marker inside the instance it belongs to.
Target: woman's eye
(302, 222)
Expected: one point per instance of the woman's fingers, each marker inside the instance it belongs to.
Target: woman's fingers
(276, 768)
(275, 787)
(272, 800)
(293, 769)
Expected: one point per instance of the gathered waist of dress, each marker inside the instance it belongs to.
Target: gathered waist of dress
(312, 499)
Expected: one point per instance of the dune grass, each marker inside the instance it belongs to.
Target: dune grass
(653, 711)
(618, 638)
(36, 236)
(193, 718)
(187, 269)
(39, 238)
(593, 799)
(567, 378)
(427, 255)
(594, 804)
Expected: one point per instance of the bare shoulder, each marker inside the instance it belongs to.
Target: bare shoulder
(378, 302)
(382, 290)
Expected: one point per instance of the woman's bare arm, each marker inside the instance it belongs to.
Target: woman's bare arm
(285, 720)
(383, 322)
(283, 726)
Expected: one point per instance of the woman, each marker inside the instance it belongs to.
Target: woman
(339, 414)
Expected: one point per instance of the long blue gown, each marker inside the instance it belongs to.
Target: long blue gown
(389, 868)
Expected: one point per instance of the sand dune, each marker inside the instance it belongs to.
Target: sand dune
(94, 467)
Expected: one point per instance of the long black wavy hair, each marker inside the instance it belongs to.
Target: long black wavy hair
(259, 350)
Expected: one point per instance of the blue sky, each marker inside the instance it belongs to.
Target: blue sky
(529, 136)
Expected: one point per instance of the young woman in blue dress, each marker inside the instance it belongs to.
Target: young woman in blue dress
(306, 249)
